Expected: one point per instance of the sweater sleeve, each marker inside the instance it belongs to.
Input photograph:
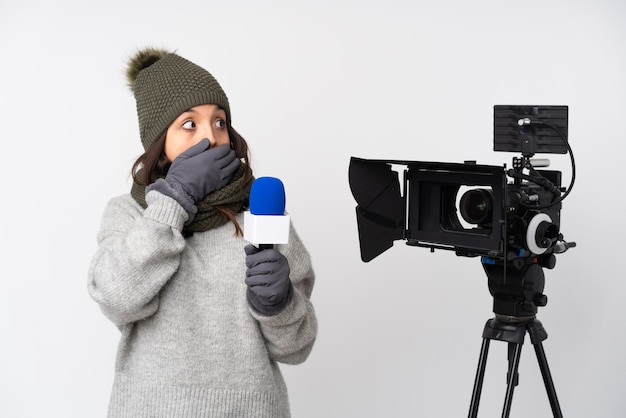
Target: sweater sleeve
(138, 252)
(290, 334)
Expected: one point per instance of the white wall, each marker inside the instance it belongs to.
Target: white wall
(310, 86)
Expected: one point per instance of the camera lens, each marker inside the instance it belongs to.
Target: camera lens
(476, 206)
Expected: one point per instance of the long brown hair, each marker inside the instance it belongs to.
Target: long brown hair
(153, 164)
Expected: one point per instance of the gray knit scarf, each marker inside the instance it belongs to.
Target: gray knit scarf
(234, 196)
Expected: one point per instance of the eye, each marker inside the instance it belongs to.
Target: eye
(189, 124)
(220, 123)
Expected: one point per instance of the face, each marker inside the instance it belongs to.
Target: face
(192, 126)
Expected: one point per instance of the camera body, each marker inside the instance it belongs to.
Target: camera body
(473, 210)
(468, 208)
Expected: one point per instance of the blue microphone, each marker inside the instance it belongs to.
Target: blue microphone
(267, 196)
(266, 223)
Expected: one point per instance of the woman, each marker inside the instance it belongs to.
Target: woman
(204, 318)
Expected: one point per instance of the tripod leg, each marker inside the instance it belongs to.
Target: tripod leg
(512, 377)
(547, 380)
(510, 356)
(478, 382)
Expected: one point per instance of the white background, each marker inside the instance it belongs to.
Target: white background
(310, 86)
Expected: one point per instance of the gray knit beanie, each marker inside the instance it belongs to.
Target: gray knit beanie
(165, 85)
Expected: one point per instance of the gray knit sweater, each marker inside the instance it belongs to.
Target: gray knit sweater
(191, 346)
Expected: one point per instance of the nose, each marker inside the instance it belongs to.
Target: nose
(206, 134)
(211, 142)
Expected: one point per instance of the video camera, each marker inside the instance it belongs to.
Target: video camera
(499, 219)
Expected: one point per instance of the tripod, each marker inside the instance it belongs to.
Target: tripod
(516, 298)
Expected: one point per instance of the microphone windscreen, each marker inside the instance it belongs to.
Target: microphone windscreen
(267, 196)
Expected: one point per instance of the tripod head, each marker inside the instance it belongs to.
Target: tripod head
(517, 292)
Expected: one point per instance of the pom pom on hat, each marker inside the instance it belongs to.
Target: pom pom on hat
(142, 60)
(166, 85)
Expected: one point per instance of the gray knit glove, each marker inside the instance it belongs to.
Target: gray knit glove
(267, 277)
(197, 172)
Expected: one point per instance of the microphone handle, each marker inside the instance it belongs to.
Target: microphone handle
(266, 246)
